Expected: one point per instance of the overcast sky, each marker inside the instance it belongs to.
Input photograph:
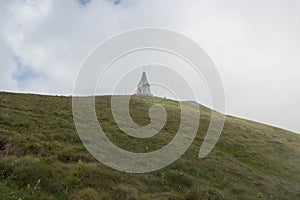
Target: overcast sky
(255, 45)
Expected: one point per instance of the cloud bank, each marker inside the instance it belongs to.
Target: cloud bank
(254, 44)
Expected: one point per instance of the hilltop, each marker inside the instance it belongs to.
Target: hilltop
(42, 156)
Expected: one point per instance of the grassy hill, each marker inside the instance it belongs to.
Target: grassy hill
(42, 156)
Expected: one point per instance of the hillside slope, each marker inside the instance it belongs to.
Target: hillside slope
(42, 156)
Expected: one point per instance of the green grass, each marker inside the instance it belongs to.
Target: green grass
(42, 156)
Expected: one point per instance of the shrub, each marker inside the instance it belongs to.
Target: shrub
(3, 142)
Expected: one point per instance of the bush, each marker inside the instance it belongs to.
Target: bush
(3, 142)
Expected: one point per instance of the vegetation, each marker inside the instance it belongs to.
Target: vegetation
(42, 157)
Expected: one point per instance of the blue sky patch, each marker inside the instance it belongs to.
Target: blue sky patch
(84, 2)
(23, 73)
(117, 2)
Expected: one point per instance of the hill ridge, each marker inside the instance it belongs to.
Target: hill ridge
(40, 147)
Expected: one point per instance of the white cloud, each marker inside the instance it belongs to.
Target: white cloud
(254, 44)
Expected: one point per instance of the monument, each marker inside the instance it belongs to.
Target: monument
(143, 88)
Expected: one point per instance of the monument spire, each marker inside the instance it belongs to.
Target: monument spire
(143, 88)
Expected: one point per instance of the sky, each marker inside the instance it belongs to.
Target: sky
(254, 44)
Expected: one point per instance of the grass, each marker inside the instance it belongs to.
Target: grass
(42, 157)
